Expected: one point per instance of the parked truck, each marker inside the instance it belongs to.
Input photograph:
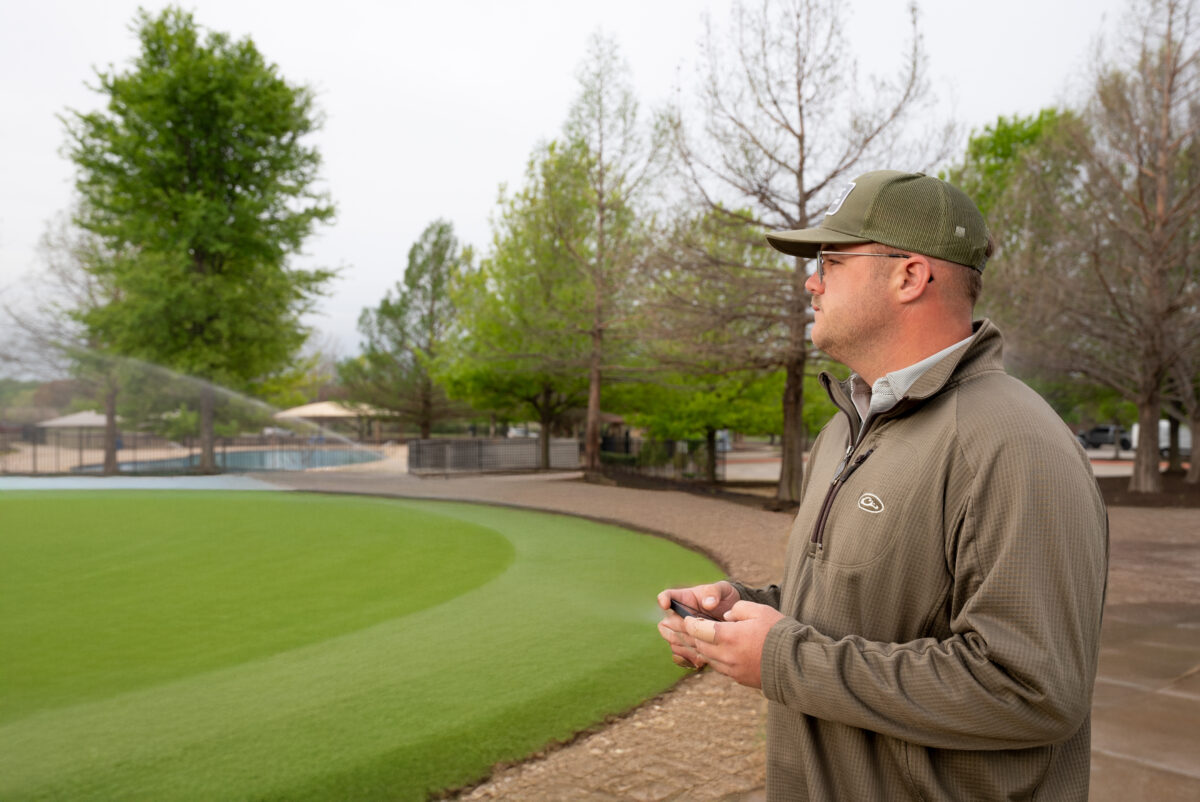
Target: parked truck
(1107, 435)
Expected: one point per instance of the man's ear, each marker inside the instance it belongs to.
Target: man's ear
(912, 276)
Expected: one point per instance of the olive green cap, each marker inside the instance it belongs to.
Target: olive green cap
(909, 211)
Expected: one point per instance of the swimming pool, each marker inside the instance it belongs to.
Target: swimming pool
(292, 459)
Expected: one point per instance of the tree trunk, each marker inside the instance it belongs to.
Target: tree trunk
(793, 442)
(110, 428)
(1146, 476)
(591, 448)
(710, 457)
(546, 419)
(1174, 458)
(208, 403)
(544, 437)
(1193, 474)
(425, 409)
(791, 472)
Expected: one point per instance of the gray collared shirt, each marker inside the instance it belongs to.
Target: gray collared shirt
(871, 400)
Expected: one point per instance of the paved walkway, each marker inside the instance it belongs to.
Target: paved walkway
(703, 740)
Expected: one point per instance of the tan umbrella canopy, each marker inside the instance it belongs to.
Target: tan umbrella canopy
(76, 420)
(323, 410)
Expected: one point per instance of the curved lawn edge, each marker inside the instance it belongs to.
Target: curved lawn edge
(713, 557)
(555, 745)
(597, 659)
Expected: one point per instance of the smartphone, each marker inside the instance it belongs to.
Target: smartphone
(684, 611)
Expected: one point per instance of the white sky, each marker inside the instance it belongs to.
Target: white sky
(430, 106)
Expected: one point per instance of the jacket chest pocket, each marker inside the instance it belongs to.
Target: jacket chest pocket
(889, 500)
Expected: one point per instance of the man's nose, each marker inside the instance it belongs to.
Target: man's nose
(813, 284)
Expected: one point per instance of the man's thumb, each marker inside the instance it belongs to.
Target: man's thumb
(739, 611)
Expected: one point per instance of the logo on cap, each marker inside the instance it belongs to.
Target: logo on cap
(870, 502)
(839, 200)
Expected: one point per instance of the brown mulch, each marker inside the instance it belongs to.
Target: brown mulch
(1176, 493)
(1115, 489)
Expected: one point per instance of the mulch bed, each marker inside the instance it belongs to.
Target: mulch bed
(736, 492)
(1115, 489)
(1176, 493)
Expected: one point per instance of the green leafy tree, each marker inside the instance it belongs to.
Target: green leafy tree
(684, 407)
(159, 401)
(603, 238)
(524, 343)
(558, 297)
(197, 174)
(818, 408)
(404, 335)
(994, 154)
(996, 172)
(13, 391)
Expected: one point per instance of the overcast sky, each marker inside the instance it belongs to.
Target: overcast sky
(430, 106)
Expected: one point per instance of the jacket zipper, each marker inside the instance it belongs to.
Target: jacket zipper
(839, 479)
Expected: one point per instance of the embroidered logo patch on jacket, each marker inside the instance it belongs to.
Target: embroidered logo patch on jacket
(870, 502)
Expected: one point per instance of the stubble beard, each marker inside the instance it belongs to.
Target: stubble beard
(851, 342)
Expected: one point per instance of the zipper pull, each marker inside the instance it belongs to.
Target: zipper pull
(842, 465)
(854, 465)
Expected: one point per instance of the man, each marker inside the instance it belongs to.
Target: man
(936, 632)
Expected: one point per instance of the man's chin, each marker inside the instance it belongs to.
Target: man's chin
(822, 344)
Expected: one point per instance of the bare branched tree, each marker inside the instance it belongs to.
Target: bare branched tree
(50, 339)
(622, 159)
(1100, 254)
(1183, 397)
(782, 121)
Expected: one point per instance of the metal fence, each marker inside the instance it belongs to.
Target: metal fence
(682, 460)
(31, 450)
(27, 449)
(481, 455)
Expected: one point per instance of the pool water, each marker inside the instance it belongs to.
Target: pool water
(297, 459)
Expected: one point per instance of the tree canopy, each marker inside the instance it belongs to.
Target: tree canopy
(1098, 217)
(615, 158)
(197, 176)
(783, 123)
(404, 335)
(524, 346)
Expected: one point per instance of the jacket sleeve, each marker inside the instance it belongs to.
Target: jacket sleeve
(768, 595)
(1028, 560)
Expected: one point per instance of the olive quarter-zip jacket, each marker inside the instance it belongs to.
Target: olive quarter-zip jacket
(942, 599)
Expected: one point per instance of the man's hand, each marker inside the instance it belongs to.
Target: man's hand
(734, 646)
(715, 599)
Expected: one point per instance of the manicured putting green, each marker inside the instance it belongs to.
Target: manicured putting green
(200, 645)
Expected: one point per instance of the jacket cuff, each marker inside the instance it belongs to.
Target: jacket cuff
(740, 588)
(778, 658)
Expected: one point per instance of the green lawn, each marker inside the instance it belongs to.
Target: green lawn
(198, 645)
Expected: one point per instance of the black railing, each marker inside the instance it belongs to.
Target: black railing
(683, 460)
(482, 455)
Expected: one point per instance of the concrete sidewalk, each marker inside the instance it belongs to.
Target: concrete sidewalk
(1146, 710)
(1146, 703)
